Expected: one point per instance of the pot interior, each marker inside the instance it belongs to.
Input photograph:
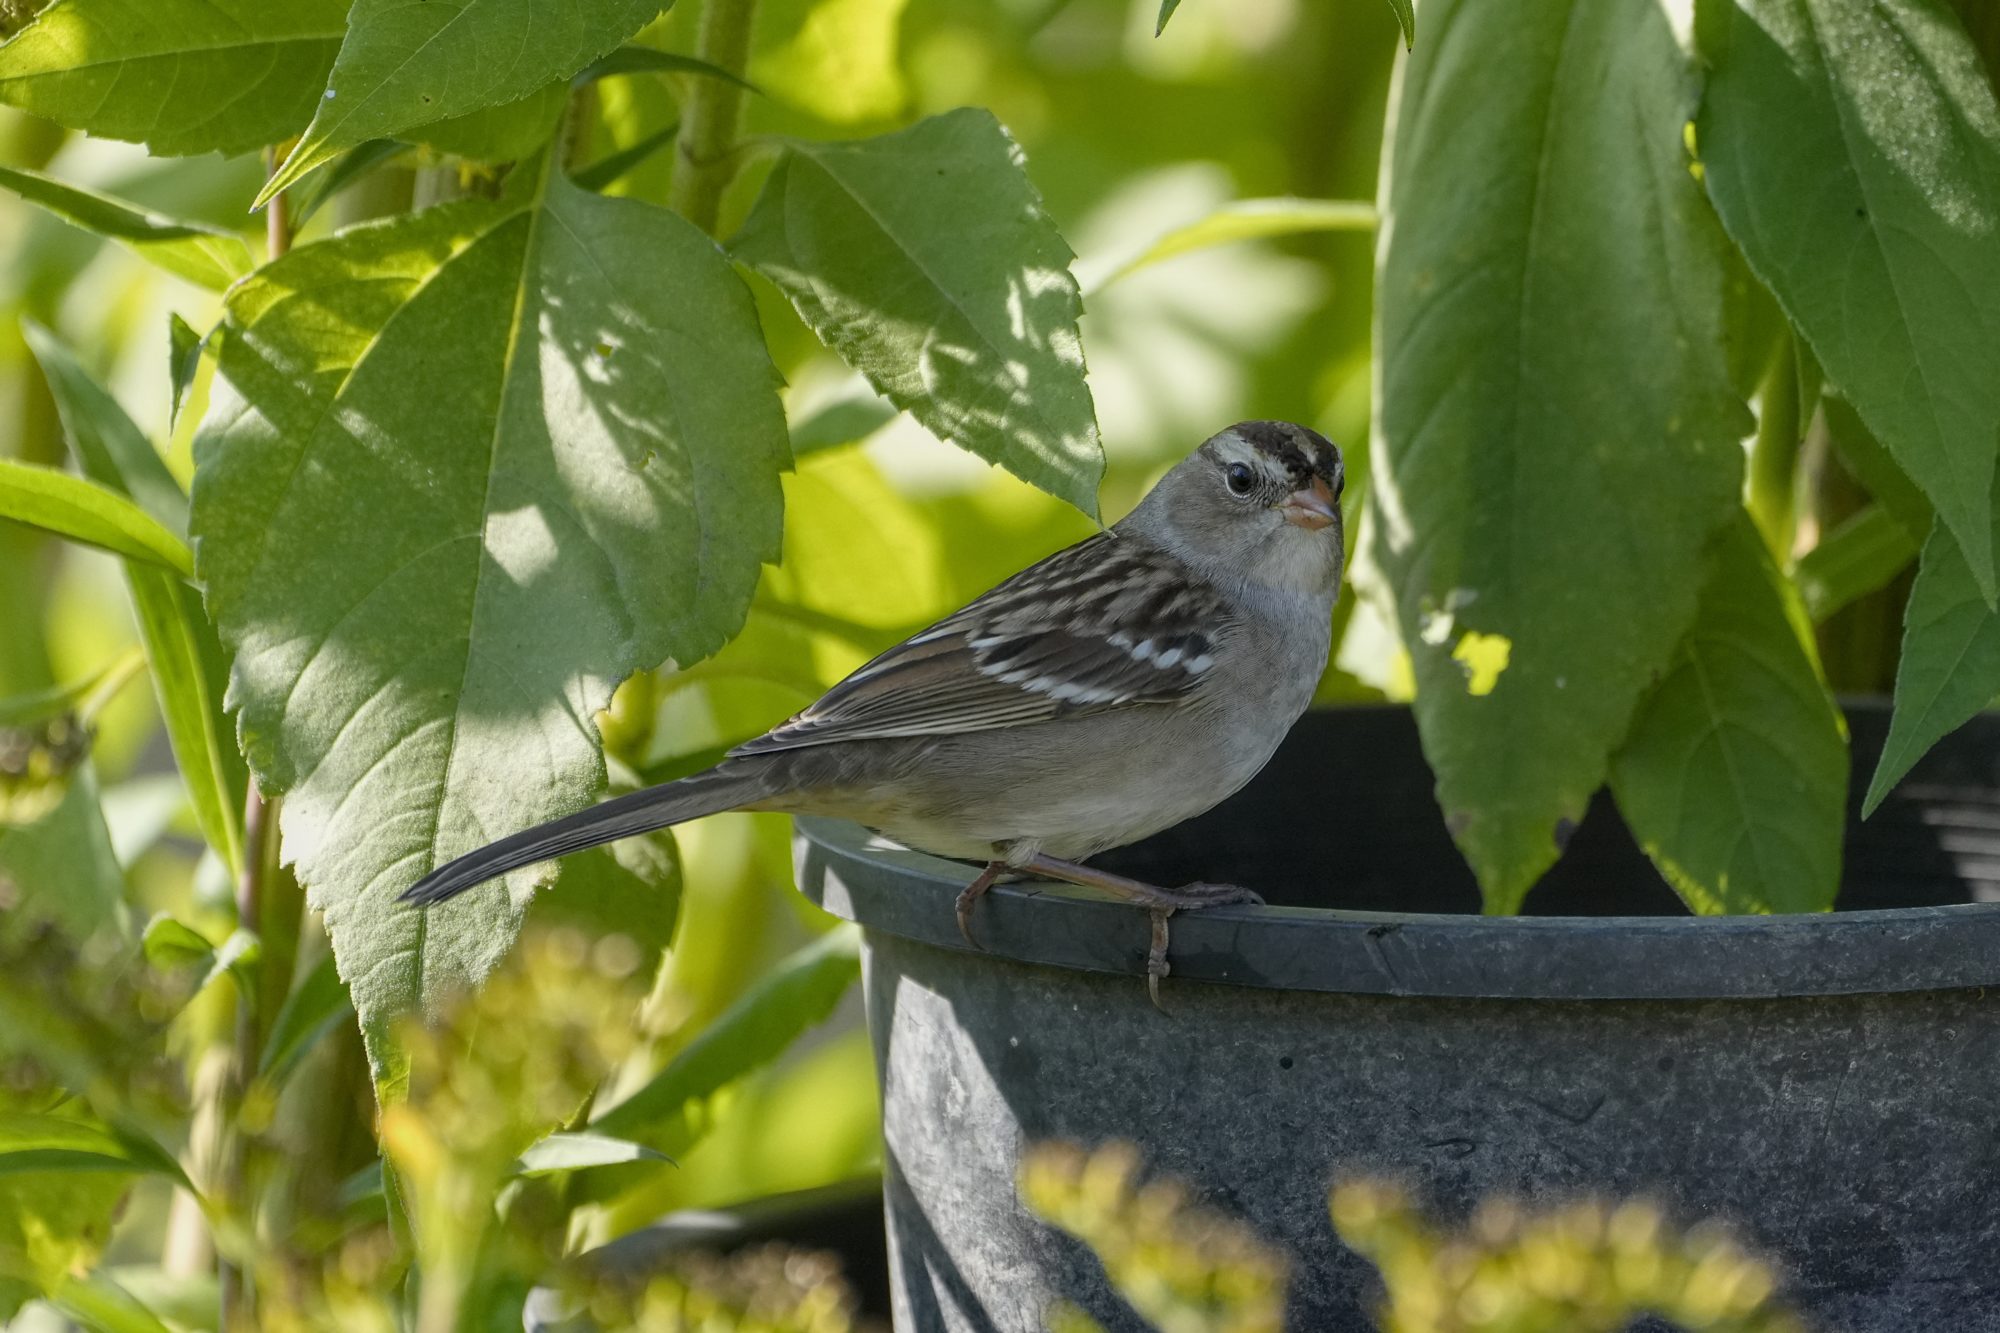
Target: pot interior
(1345, 817)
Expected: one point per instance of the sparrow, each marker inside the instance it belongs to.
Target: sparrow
(1118, 687)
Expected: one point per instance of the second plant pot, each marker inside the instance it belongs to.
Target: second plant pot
(1828, 1084)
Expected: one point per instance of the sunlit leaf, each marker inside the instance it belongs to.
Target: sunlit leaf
(52, 1225)
(181, 645)
(102, 1305)
(838, 59)
(205, 255)
(180, 76)
(1551, 356)
(790, 999)
(1734, 778)
(183, 361)
(1853, 152)
(925, 259)
(403, 66)
(1404, 10)
(30, 1142)
(1249, 220)
(1950, 668)
(85, 512)
(1860, 556)
(512, 466)
(578, 1152)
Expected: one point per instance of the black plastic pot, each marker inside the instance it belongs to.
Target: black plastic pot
(1830, 1084)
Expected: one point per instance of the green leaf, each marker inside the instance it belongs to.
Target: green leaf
(1860, 556)
(795, 996)
(1853, 152)
(85, 512)
(109, 448)
(180, 76)
(207, 256)
(98, 1303)
(61, 867)
(312, 1010)
(30, 1142)
(404, 66)
(183, 362)
(352, 165)
(844, 420)
(189, 672)
(53, 1224)
(1871, 464)
(519, 448)
(646, 60)
(612, 167)
(502, 133)
(1950, 668)
(1734, 778)
(1249, 220)
(175, 944)
(1167, 8)
(1550, 299)
(925, 259)
(1404, 10)
(578, 1152)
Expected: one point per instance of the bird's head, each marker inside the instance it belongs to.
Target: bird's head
(1260, 501)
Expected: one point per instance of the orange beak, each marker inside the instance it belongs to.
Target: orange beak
(1311, 508)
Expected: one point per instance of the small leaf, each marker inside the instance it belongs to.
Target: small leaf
(351, 166)
(1853, 152)
(925, 259)
(1248, 220)
(646, 60)
(513, 464)
(1167, 8)
(1950, 667)
(312, 1009)
(1871, 464)
(1734, 778)
(1406, 19)
(578, 1152)
(843, 421)
(1860, 556)
(795, 996)
(174, 944)
(109, 448)
(86, 512)
(612, 167)
(180, 76)
(30, 1142)
(103, 1306)
(189, 670)
(405, 66)
(207, 256)
(183, 363)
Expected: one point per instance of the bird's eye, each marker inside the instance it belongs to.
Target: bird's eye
(1238, 477)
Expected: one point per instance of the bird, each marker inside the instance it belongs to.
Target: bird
(1120, 686)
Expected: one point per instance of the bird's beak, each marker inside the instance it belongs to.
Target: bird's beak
(1311, 507)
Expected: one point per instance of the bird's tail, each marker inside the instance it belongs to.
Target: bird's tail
(716, 790)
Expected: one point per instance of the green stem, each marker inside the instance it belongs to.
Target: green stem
(705, 159)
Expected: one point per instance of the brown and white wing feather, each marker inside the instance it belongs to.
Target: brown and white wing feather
(1108, 623)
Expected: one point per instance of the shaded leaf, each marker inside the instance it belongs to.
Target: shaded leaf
(350, 167)
(312, 1009)
(1853, 152)
(646, 60)
(1860, 556)
(502, 133)
(1734, 778)
(795, 996)
(578, 1152)
(612, 167)
(180, 76)
(1870, 462)
(925, 260)
(207, 256)
(189, 672)
(61, 867)
(512, 466)
(404, 66)
(1249, 220)
(1550, 292)
(85, 512)
(1950, 668)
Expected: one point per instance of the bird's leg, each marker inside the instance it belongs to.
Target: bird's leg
(1162, 903)
(972, 894)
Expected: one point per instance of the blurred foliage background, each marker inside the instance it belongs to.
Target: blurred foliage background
(1128, 137)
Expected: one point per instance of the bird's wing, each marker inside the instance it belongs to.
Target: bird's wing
(1107, 623)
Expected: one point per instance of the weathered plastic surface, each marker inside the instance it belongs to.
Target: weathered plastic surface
(1829, 1084)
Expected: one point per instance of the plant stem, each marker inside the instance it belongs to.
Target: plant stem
(1775, 454)
(704, 154)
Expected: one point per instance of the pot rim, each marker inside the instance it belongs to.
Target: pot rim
(861, 877)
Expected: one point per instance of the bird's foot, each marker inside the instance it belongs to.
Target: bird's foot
(972, 893)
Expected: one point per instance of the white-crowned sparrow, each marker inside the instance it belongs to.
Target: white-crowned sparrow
(1122, 685)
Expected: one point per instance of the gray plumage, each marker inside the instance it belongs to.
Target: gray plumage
(1118, 687)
